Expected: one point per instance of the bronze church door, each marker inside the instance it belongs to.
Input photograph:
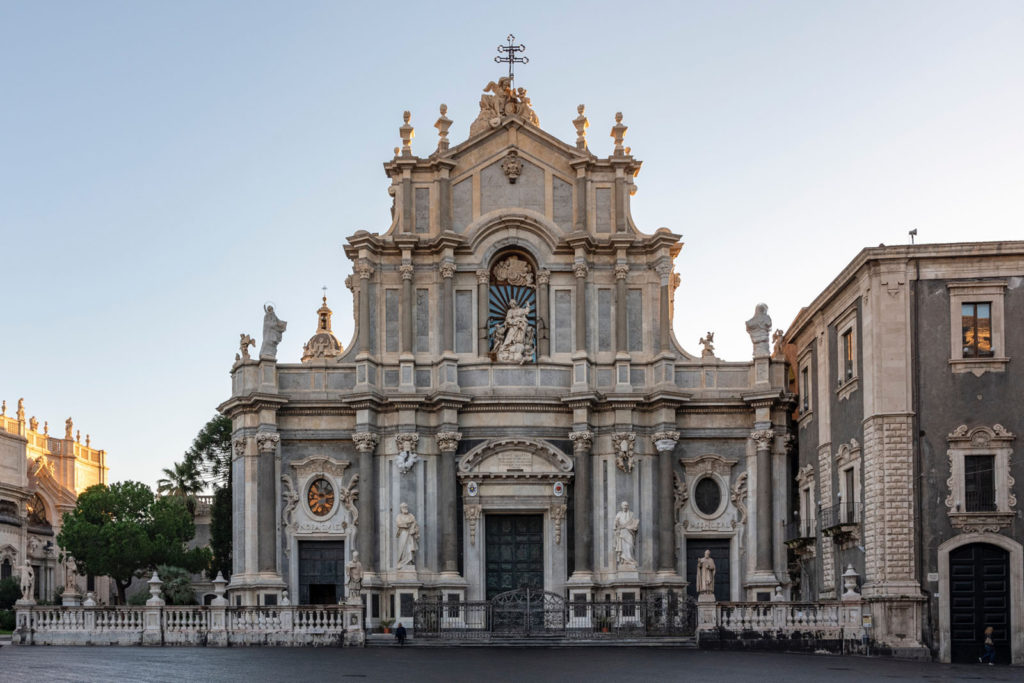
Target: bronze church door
(321, 572)
(514, 552)
(979, 596)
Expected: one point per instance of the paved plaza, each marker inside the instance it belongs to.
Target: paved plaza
(453, 664)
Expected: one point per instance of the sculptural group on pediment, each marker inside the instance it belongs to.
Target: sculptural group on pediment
(505, 101)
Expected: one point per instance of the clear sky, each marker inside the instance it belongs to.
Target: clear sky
(168, 167)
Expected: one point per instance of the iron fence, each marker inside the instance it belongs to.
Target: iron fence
(530, 613)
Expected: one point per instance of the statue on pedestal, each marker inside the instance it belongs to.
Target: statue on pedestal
(626, 527)
(354, 572)
(706, 574)
(28, 582)
(408, 534)
(273, 330)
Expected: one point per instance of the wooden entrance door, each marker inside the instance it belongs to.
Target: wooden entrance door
(979, 596)
(719, 548)
(515, 552)
(321, 572)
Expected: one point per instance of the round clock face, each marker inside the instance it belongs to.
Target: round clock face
(320, 497)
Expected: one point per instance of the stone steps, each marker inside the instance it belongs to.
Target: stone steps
(388, 640)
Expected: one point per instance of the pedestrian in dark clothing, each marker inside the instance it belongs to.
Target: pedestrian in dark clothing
(990, 649)
(400, 634)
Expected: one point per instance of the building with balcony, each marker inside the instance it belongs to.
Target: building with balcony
(908, 369)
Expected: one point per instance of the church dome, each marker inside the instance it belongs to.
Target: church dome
(323, 344)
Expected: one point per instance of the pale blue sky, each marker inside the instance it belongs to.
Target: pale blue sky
(166, 167)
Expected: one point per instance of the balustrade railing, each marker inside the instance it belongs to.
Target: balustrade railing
(187, 625)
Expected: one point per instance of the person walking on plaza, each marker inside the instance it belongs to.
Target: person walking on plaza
(990, 648)
(400, 634)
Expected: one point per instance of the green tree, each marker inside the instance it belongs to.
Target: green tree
(212, 448)
(183, 480)
(122, 530)
(220, 533)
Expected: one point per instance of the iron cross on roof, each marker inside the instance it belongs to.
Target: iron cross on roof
(509, 55)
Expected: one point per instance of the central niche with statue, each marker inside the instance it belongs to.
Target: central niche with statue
(512, 309)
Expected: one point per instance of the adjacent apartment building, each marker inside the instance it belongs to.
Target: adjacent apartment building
(909, 375)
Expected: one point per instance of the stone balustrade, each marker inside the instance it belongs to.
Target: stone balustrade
(768, 620)
(214, 626)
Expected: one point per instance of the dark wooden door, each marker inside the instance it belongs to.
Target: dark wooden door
(514, 552)
(979, 596)
(321, 572)
(719, 548)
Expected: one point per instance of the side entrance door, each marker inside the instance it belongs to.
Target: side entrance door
(514, 552)
(719, 548)
(321, 572)
(979, 596)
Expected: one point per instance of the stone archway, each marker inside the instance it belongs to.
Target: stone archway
(1016, 553)
(521, 478)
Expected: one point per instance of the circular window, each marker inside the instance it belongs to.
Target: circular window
(320, 497)
(707, 495)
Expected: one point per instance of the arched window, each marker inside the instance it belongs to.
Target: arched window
(37, 511)
(512, 308)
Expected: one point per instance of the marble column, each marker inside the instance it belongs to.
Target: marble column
(580, 270)
(483, 278)
(621, 271)
(583, 548)
(665, 444)
(447, 308)
(447, 443)
(364, 270)
(406, 269)
(267, 530)
(366, 538)
(764, 438)
(543, 312)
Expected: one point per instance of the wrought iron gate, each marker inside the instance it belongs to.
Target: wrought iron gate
(535, 613)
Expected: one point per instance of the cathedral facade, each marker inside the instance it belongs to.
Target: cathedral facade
(514, 409)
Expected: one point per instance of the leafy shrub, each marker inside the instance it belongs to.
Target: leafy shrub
(10, 592)
(7, 619)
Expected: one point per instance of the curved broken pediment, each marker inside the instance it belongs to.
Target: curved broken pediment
(515, 457)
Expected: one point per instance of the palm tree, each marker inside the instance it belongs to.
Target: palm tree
(182, 479)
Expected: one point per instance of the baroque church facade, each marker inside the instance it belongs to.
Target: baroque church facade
(41, 476)
(514, 409)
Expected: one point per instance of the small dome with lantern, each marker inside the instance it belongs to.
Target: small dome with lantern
(323, 344)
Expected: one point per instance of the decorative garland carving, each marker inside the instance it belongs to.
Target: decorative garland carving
(472, 513)
(739, 496)
(624, 444)
(557, 516)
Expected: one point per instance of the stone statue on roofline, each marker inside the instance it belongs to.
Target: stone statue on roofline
(273, 331)
(760, 328)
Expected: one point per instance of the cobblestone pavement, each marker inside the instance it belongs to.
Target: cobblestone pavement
(489, 665)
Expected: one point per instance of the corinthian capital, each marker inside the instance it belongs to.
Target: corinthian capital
(406, 270)
(267, 441)
(581, 441)
(239, 444)
(665, 441)
(763, 438)
(543, 276)
(365, 441)
(447, 441)
(621, 271)
(447, 269)
(580, 269)
(364, 269)
(482, 277)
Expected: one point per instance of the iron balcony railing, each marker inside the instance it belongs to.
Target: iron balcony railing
(841, 514)
(801, 529)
